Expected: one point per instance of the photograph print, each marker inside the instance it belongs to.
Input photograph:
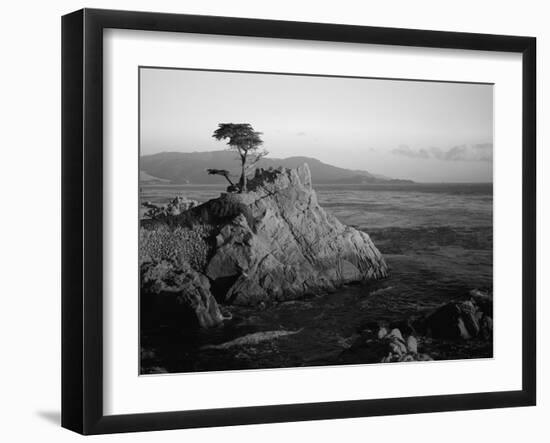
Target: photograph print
(293, 221)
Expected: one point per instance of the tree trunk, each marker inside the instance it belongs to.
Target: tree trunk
(242, 181)
(243, 177)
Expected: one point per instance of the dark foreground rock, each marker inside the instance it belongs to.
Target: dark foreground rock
(184, 286)
(380, 344)
(463, 319)
(272, 243)
(458, 329)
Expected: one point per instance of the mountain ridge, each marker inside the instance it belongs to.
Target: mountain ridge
(190, 168)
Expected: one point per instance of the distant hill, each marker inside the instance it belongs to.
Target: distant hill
(190, 168)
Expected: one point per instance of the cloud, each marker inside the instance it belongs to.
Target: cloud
(406, 151)
(484, 151)
(477, 152)
(301, 134)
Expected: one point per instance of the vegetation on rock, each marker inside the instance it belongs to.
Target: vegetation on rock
(242, 138)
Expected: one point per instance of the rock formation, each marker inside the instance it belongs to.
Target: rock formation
(272, 243)
(399, 350)
(465, 319)
(175, 207)
(460, 328)
(285, 245)
(190, 288)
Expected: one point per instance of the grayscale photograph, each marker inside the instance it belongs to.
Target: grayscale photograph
(293, 221)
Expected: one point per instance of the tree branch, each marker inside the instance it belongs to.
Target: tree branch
(254, 160)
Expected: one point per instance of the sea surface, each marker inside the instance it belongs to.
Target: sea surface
(436, 238)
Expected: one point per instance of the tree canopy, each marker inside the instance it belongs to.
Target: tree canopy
(242, 138)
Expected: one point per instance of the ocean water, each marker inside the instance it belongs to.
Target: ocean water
(436, 238)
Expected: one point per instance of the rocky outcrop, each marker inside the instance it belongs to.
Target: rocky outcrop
(399, 349)
(272, 243)
(456, 329)
(284, 245)
(464, 319)
(383, 344)
(188, 288)
(174, 207)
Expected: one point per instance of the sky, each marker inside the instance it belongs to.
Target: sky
(423, 131)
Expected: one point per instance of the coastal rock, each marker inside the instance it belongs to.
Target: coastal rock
(275, 242)
(374, 345)
(400, 350)
(179, 285)
(466, 319)
(175, 207)
(395, 334)
(284, 245)
(382, 332)
(412, 344)
(483, 300)
(486, 327)
(433, 335)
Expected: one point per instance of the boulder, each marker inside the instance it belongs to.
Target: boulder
(382, 332)
(483, 300)
(167, 289)
(486, 327)
(464, 319)
(395, 334)
(400, 350)
(412, 344)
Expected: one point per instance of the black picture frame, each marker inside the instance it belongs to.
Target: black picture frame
(82, 232)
